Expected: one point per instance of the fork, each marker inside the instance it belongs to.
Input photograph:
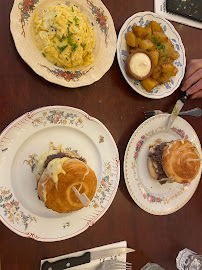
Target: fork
(114, 265)
(194, 112)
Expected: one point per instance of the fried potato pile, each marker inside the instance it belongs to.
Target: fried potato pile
(153, 39)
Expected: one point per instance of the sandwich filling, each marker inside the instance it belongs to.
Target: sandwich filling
(155, 154)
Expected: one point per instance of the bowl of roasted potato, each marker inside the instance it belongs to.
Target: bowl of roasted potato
(151, 32)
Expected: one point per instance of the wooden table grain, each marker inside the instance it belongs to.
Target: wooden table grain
(112, 101)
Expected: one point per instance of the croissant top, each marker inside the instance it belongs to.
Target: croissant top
(179, 161)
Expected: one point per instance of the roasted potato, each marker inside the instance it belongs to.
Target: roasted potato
(131, 39)
(163, 60)
(149, 31)
(155, 56)
(160, 37)
(163, 79)
(139, 31)
(149, 84)
(169, 69)
(156, 27)
(156, 72)
(174, 55)
(160, 48)
(146, 44)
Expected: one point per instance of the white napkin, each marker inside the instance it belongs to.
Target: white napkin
(160, 8)
(93, 264)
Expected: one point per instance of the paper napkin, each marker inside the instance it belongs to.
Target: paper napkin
(160, 8)
(92, 265)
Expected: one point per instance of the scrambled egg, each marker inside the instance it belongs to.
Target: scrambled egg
(64, 36)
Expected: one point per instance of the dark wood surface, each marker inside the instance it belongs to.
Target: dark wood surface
(112, 101)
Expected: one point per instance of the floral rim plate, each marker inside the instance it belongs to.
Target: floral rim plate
(142, 19)
(21, 144)
(21, 24)
(151, 196)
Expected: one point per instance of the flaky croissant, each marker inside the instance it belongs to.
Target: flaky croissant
(178, 161)
(60, 196)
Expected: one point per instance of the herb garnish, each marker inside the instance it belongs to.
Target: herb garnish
(61, 49)
(44, 54)
(84, 45)
(159, 45)
(56, 16)
(69, 21)
(72, 9)
(76, 19)
(62, 38)
(66, 58)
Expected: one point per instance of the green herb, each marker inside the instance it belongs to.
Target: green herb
(56, 15)
(74, 46)
(70, 21)
(158, 44)
(168, 74)
(62, 38)
(76, 24)
(55, 64)
(92, 24)
(76, 19)
(84, 45)
(70, 55)
(72, 9)
(44, 54)
(54, 41)
(66, 58)
(61, 49)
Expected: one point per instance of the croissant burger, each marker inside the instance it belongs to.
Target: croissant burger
(175, 161)
(59, 171)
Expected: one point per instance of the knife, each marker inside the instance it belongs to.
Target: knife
(178, 106)
(85, 258)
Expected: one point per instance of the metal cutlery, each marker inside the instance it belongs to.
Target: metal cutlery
(114, 265)
(194, 112)
(87, 257)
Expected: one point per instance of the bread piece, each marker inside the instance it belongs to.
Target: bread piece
(59, 196)
(176, 161)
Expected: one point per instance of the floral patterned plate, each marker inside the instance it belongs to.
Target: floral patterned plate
(21, 144)
(142, 19)
(151, 196)
(21, 24)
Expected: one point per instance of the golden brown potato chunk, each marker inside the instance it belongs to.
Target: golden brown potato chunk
(168, 49)
(169, 69)
(139, 31)
(156, 72)
(156, 27)
(149, 84)
(163, 60)
(163, 79)
(160, 37)
(146, 44)
(155, 56)
(131, 39)
(149, 31)
(174, 55)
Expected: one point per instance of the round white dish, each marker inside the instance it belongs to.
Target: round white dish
(149, 194)
(21, 144)
(21, 25)
(142, 19)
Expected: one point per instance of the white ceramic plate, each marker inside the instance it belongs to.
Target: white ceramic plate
(21, 144)
(21, 25)
(151, 196)
(142, 19)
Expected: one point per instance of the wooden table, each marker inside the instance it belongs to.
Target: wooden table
(112, 101)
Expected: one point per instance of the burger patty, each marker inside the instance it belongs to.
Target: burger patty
(156, 157)
(61, 155)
